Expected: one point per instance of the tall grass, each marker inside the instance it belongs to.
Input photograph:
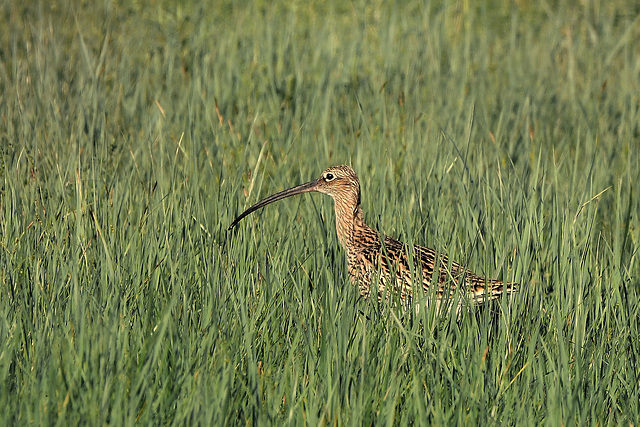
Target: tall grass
(506, 135)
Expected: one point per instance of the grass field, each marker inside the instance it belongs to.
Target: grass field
(506, 135)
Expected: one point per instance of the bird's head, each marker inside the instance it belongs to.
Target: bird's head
(339, 182)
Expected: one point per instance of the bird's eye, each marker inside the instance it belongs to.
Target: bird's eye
(329, 177)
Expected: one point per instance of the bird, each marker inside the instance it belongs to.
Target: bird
(374, 259)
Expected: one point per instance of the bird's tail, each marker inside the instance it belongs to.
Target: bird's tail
(486, 290)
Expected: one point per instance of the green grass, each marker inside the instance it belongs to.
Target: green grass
(131, 133)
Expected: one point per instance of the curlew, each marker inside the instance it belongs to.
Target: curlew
(376, 259)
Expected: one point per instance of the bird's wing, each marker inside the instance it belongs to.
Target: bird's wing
(450, 274)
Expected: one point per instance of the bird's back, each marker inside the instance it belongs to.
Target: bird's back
(392, 264)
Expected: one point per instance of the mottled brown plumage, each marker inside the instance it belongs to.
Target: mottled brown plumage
(375, 259)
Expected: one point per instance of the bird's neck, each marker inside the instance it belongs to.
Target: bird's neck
(350, 224)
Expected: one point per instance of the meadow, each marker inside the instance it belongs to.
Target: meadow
(505, 134)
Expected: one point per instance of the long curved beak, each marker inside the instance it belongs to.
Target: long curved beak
(303, 188)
